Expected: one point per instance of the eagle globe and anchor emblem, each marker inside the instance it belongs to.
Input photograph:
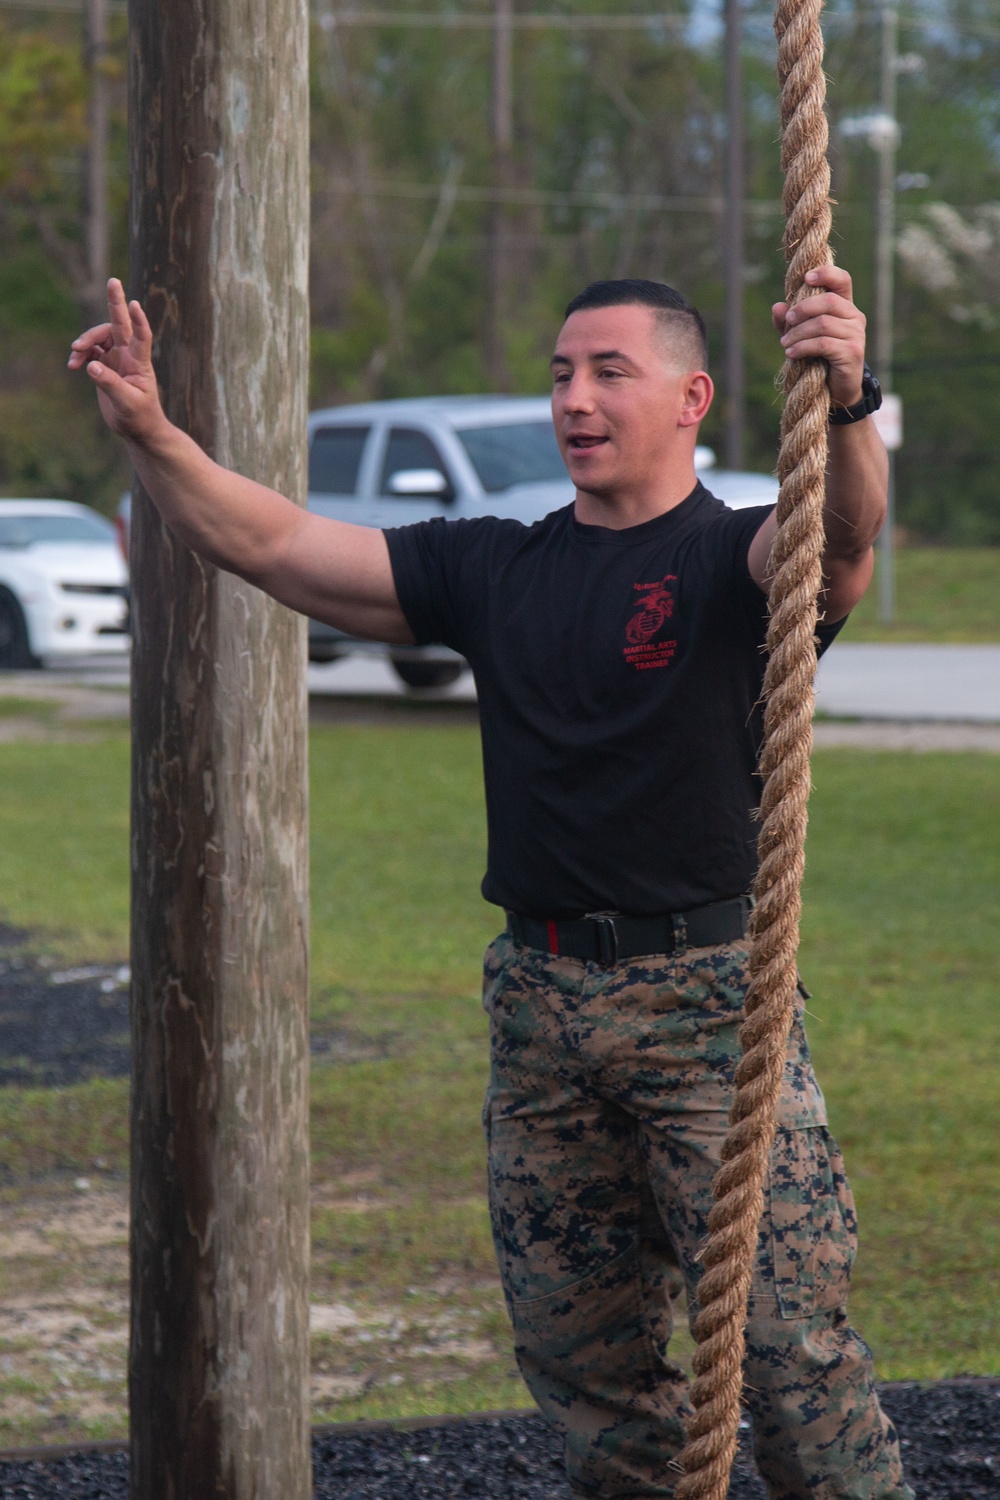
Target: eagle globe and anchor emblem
(653, 608)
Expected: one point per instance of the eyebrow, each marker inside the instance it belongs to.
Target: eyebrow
(560, 359)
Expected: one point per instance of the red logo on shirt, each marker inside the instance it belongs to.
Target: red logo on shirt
(653, 609)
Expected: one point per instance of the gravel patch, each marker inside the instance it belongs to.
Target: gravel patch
(63, 1025)
(950, 1433)
(60, 1025)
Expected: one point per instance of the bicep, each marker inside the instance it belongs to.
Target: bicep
(341, 574)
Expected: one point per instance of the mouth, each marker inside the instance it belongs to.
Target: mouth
(583, 442)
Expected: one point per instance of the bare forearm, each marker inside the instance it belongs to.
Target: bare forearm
(232, 521)
(857, 485)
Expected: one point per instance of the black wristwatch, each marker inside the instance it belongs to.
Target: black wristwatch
(871, 400)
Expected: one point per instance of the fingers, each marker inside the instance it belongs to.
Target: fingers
(120, 400)
(93, 341)
(121, 322)
(826, 325)
(831, 349)
(140, 323)
(779, 312)
(827, 304)
(832, 278)
(107, 379)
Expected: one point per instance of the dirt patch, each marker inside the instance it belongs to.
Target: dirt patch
(64, 1323)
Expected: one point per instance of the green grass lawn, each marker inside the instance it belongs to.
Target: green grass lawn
(899, 952)
(942, 594)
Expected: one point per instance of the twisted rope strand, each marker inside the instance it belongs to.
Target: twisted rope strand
(784, 765)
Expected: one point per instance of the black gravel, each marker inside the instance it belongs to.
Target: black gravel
(950, 1434)
(59, 1025)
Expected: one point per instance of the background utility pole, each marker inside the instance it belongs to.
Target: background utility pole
(95, 22)
(732, 246)
(885, 214)
(499, 246)
(219, 1355)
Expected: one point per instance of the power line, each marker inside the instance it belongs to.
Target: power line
(523, 21)
(541, 198)
(642, 20)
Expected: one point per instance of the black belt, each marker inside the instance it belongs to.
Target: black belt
(607, 937)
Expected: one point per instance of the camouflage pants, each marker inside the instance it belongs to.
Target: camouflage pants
(605, 1114)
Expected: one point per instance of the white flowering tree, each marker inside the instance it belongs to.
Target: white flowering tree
(957, 259)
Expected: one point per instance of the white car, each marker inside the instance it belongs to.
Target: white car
(63, 583)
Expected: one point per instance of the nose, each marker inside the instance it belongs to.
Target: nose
(576, 395)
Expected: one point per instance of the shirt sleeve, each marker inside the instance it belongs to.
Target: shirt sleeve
(748, 523)
(433, 566)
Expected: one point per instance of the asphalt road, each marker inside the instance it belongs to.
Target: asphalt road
(910, 682)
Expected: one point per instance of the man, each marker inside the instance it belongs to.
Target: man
(617, 647)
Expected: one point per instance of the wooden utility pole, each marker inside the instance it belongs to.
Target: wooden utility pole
(95, 23)
(499, 247)
(219, 1356)
(732, 240)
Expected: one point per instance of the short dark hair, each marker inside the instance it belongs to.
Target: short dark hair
(673, 310)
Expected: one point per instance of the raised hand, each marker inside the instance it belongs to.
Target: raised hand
(118, 358)
(827, 326)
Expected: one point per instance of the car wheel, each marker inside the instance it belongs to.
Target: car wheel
(15, 647)
(427, 674)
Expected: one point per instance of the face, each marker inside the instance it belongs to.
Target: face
(624, 411)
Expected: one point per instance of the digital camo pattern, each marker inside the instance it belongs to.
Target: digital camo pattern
(607, 1106)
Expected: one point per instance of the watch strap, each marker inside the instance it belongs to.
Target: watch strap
(871, 400)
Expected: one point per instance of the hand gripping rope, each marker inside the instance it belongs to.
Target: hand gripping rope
(788, 690)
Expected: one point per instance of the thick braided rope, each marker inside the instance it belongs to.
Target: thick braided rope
(788, 690)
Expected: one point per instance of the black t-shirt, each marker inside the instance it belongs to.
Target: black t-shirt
(619, 677)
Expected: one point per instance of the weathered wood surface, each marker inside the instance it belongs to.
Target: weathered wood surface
(219, 240)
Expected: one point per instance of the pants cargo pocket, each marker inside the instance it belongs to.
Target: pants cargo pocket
(809, 1233)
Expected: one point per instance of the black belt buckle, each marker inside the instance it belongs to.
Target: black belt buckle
(607, 937)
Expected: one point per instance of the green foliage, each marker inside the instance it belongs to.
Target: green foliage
(627, 115)
(33, 300)
(42, 110)
(52, 441)
(616, 169)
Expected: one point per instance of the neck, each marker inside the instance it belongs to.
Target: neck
(628, 506)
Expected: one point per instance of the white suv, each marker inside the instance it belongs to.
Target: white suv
(389, 463)
(63, 583)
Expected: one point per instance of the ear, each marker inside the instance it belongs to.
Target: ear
(697, 398)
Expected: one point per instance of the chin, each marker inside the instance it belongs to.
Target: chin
(593, 480)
